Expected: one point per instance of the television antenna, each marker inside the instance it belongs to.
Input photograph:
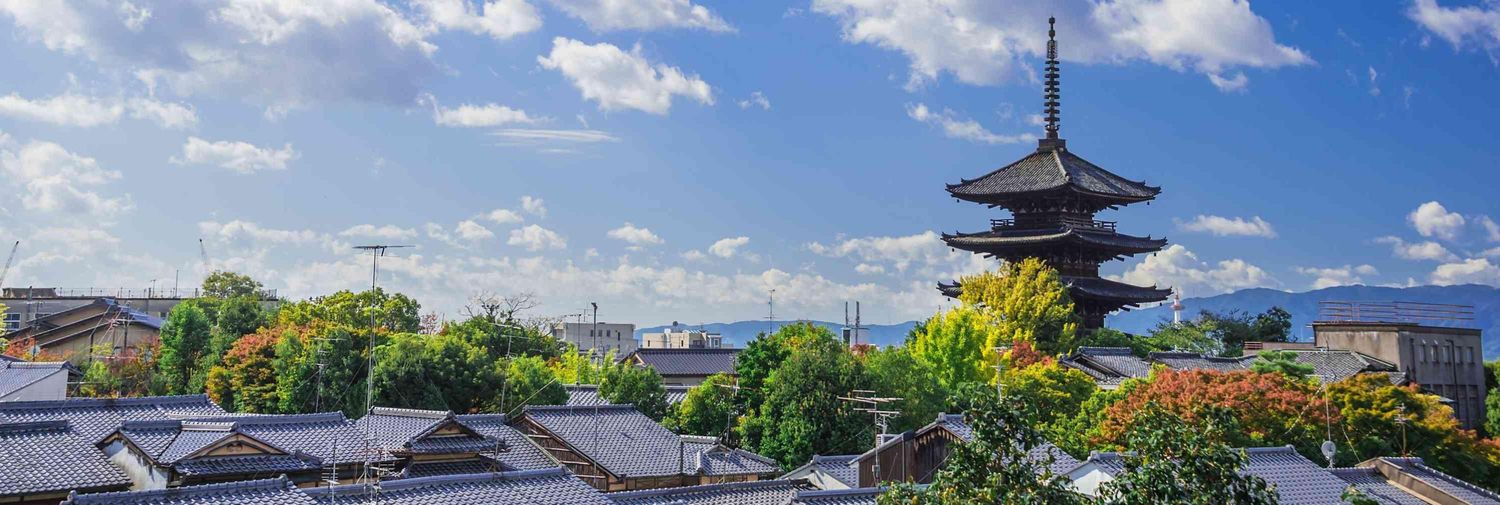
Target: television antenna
(866, 401)
(376, 252)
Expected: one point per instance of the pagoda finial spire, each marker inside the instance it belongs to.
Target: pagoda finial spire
(1052, 93)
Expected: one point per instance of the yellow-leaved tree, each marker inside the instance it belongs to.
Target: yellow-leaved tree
(1026, 302)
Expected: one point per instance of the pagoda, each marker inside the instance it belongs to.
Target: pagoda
(1053, 195)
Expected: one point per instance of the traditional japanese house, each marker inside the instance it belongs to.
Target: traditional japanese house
(43, 461)
(1053, 196)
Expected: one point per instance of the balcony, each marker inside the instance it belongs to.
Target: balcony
(1088, 224)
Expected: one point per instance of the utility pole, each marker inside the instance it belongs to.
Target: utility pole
(771, 312)
(866, 401)
(594, 351)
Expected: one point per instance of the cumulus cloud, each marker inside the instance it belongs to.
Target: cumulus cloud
(923, 254)
(868, 269)
(472, 231)
(1346, 275)
(240, 157)
(728, 247)
(247, 231)
(962, 128)
(534, 206)
(475, 116)
(50, 179)
(86, 111)
(1491, 229)
(613, 15)
(390, 232)
(1417, 251)
(620, 80)
(1469, 271)
(986, 42)
(1225, 227)
(499, 19)
(1431, 219)
(536, 238)
(1465, 26)
(756, 99)
(634, 235)
(1180, 268)
(503, 216)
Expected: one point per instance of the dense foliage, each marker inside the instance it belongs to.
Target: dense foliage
(1176, 460)
(799, 412)
(1025, 302)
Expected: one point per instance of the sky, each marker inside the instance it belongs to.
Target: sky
(677, 160)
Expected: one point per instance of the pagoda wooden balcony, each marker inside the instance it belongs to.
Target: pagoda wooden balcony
(1010, 224)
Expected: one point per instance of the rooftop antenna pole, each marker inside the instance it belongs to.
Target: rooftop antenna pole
(866, 401)
(376, 251)
(771, 314)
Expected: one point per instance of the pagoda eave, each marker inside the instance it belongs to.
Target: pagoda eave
(1001, 243)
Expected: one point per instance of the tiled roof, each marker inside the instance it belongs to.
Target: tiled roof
(270, 464)
(1297, 480)
(856, 496)
(1047, 170)
(691, 362)
(765, 492)
(707, 457)
(1444, 482)
(419, 469)
(533, 487)
(1374, 485)
(839, 467)
(410, 431)
(1110, 365)
(47, 456)
(1196, 361)
(616, 437)
(15, 375)
(988, 240)
(588, 394)
(520, 453)
(93, 418)
(329, 437)
(278, 491)
(676, 394)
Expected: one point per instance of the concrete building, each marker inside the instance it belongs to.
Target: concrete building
(29, 304)
(617, 337)
(1445, 361)
(74, 334)
(682, 338)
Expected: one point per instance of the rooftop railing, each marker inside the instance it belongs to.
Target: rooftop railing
(1428, 314)
(117, 293)
(1010, 224)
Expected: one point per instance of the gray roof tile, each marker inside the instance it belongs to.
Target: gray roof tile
(1447, 483)
(707, 457)
(15, 375)
(328, 437)
(520, 452)
(1048, 170)
(93, 418)
(627, 443)
(533, 487)
(419, 469)
(1297, 480)
(856, 496)
(48, 456)
(1373, 485)
(588, 394)
(278, 491)
(689, 362)
(411, 431)
(765, 492)
(840, 467)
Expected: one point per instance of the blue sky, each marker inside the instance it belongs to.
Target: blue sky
(676, 160)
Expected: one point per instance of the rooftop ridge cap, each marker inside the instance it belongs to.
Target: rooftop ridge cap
(416, 482)
(710, 487)
(1419, 463)
(279, 482)
(853, 491)
(699, 439)
(90, 402)
(47, 424)
(418, 413)
(570, 408)
(147, 424)
(271, 419)
(35, 364)
(225, 426)
(1275, 448)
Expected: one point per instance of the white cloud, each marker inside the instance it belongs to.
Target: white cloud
(612, 15)
(67, 110)
(965, 129)
(50, 179)
(728, 247)
(473, 116)
(1469, 271)
(619, 80)
(1346, 275)
(240, 230)
(990, 41)
(524, 135)
(1224, 227)
(1237, 83)
(1178, 267)
(536, 238)
(503, 216)
(868, 269)
(472, 231)
(1417, 251)
(694, 255)
(133, 17)
(390, 232)
(165, 114)
(240, 157)
(534, 206)
(1374, 87)
(500, 19)
(922, 254)
(1462, 26)
(635, 236)
(756, 99)
(1431, 219)
(1491, 229)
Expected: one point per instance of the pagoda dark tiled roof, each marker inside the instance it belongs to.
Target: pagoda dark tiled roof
(533, 487)
(765, 492)
(48, 456)
(1104, 288)
(520, 453)
(1047, 170)
(855, 496)
(15, 375)
(93, 418)
(616, 437)
(278, 491)
(1130, 244)
(687, 362)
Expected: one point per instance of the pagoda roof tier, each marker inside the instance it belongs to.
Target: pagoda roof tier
(1002, 239)
(1093, 288)
(1051, 169)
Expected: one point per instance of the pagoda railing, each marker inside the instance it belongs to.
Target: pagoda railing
(1010, 224)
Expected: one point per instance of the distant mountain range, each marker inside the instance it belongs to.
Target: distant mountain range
(1303, 306)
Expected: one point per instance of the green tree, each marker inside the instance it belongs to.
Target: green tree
(897, 373)
(1492, 401)
(436, 372)
(246, 379)
(528, 381)
(1056, 391)
(573, 367)
(954, 345)
(500, 337)
(1176, 461)
(625, 384)
(1283, 362)
(1110, 337)
(1370, 407)
(1187, 336)
(709, 409)
(767, 352)
(1026, 302)
(995, 467)
(184, 341)
(225, 284)
(802, 414)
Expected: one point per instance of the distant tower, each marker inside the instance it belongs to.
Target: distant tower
(1176, 306)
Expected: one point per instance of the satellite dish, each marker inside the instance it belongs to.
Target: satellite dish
(1329, 448)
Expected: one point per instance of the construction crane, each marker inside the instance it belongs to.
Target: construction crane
(6, 269)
